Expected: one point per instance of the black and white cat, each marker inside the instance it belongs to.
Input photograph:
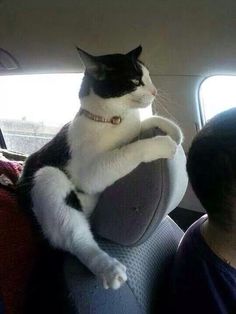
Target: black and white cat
(63, 180)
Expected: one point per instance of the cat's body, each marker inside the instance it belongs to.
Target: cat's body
(63, 181)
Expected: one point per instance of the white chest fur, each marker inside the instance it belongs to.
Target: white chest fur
(89, 140)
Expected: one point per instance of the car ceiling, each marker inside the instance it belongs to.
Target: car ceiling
(179, 37)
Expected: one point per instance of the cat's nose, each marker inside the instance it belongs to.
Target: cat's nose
(154, 91)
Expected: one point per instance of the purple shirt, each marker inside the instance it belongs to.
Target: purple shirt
(201, 282)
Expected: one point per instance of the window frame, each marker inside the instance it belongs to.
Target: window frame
(3, 144)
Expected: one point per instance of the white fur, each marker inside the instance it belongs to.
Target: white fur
(101, 154)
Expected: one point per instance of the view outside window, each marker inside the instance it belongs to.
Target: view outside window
(34, 107)
(217, 94)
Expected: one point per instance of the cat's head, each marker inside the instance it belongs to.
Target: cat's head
(118, 75)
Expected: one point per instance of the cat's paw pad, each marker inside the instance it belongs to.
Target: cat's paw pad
(114, 276)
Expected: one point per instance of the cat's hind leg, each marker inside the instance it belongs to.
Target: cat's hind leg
(64, 224)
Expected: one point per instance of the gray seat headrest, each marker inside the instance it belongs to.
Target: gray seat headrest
(132, 208)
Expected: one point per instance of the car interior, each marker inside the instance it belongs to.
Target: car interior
(189, 48)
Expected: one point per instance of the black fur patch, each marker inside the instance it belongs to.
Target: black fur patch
(73, 201)
(55, 153)
(80, 191)
(113, 77)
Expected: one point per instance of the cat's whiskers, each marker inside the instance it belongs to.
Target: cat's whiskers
(157, 103)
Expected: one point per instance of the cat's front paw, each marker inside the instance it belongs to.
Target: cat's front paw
(114, 276)
(159, 147)
(169, 147)
(177, 135)
(110, 271)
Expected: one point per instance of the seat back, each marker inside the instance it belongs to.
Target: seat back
(132, 222)
(147, 267)
(131, 209)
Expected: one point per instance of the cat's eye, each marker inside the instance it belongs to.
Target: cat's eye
(136, 82)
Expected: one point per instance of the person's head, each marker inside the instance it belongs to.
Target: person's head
(211, 166)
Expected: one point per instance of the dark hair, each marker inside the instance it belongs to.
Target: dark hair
(211, 166)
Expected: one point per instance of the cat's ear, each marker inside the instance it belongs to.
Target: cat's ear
(94, 67)
(88, 60)
(135, 53)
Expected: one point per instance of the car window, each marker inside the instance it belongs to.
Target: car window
(34, 107)
(217, 94)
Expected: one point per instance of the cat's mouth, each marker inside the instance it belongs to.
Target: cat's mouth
(142, 102)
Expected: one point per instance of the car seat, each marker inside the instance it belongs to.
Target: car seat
(131, 223)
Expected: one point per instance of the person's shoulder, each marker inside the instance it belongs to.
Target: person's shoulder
(200, 278)
(185, 281)
(195, 228)
(192, 240)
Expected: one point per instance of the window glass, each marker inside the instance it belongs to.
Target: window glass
(217, 94)
(34, 107)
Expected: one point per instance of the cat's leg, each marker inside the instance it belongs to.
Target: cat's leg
(103, 170)
(166, 125)
(68, 229)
